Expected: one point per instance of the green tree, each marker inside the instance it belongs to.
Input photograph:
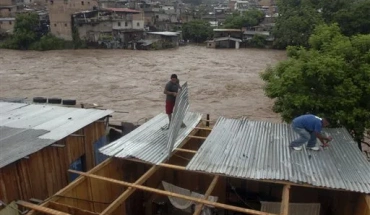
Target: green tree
(295, 23)
(330, 79)
(25, 31)
(248, 18)
(197, 31)
(354, 19)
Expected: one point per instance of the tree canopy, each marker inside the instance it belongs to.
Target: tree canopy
(295, 23)
(330, 79)
(248, 18)
(197, 31)
(297, 19)
(25, 31)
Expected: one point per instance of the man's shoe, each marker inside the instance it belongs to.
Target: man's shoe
(298, 148)
(315, 148)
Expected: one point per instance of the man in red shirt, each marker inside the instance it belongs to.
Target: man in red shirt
(171, 89)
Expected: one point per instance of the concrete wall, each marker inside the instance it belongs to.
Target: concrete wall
(6, 25)
(93, 32)
(60, 12)
(8, 2)
(8, 12)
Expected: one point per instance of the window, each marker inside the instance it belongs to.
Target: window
(55, 25)
(138, 24)
(119, 23)
(1, 22)
(88, 3)
(65, 25)
(126, 24)
(10, 9)
(10, 22)
(82, 3)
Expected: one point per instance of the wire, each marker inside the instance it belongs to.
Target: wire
(240, 198)
(86, 200)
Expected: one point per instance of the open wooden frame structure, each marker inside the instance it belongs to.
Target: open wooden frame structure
(117, 206)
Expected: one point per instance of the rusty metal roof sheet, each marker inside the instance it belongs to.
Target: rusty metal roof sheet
(27, 128)
(260, 150)
(149, 141)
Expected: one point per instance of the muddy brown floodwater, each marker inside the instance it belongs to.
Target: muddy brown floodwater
(221, 82)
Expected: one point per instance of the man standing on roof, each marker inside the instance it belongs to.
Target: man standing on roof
(171, 89)
(309, 128)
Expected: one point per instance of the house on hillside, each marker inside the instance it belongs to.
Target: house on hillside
(110, 27)
(225, 38)
(237, 167)
(39, 143)
(60, 15)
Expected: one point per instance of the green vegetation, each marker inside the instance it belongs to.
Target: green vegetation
(330, 79)
(295, 24)
(298, 19)
(197, 31)
(24, 32)
(258, 41)
(247, 19)
(28, 36)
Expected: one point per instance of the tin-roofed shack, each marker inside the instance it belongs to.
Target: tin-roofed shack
(39, 143)
(239, 166)
(160, 40)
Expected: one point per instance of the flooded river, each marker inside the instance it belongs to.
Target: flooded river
(221, 82)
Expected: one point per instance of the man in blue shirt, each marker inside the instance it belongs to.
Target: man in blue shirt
(309, 128)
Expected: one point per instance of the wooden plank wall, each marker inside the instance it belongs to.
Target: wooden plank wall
(45, 172)
(95, 195)
(363, 205)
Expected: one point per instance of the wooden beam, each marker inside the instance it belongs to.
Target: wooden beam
(74, 184)
(40, 208)
(186, 150)
(171, 166)
(197, 137)
(198, 209)
(70, 209)
(204, 128)
(166, 193)
(177, 167)
(284, 208)
(116, 203)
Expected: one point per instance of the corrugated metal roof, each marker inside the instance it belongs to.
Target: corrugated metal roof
(27, 128)
(260, 150)
(178, 116)
(165, 33)
(149, 141)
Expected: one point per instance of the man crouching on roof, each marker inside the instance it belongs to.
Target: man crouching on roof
(171, 90)
(309, 127)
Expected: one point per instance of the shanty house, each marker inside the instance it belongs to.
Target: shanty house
(160, 40)
(225, 38)
(39, 143)
(237, 167)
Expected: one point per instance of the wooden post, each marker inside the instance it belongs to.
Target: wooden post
(284, 208)
(207, 123)
(208, 193)
(116, 203)
(166, 193)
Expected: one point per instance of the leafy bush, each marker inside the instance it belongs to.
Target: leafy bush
(48, 42)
